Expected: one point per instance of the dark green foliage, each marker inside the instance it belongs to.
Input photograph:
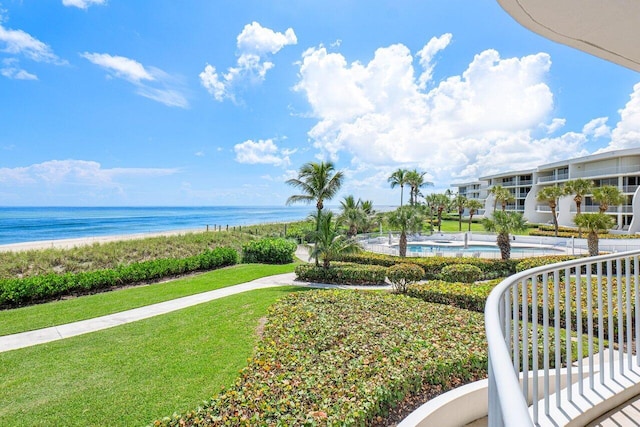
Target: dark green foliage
(432, 266)
(403, 275)
(465, 273)
(528, 263)
(344, 358)
(268, 251)
(470, 296)
(342, 273)
(22, 291)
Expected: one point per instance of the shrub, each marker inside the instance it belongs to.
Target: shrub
(462, 295)
(465, 273)
(342, 273)
(402, 275)
(21, 291)
(528, 263)
(269, 251)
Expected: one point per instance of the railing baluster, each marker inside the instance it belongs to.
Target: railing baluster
(525, 341)
(636, 277)
(600, 322)
(580, 356)
(590, 324)
(506, 315)
(516, 329)
(610, 331)
(545, 340)
(534, 345)
(556, 323)
(620, 317)
(568, 361)
(627, 286)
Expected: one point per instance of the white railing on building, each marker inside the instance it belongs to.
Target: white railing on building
(596, 301)
(614, 170)
(630, 188)
(611, 209)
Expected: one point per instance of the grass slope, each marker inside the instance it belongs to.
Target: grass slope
(133, 374)
(86, 307)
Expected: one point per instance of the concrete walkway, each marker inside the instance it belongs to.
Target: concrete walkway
(54, 333)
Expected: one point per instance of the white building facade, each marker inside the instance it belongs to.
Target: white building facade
(620, 168)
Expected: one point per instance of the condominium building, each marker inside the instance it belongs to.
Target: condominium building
(620, 168)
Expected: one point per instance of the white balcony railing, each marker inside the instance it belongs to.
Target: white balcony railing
(564, 340)
(614, 170)
(611, 209)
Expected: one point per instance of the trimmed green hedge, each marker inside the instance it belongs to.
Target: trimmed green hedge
(432, 266)
(343, 273)
(269, 251)
(465, 273)
(470, 296)
(22, 291)
(344, 358)
(403, 275)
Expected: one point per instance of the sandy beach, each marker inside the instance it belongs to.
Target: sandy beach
(83, 241)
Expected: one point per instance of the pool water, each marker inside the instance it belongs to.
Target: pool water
(428, 247)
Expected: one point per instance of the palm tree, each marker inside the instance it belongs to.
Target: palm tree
(502, 195)
(442, 203)
(405, 218)
(608, 195)
(460, 202)
(353, 216)
(578, 188)
(416, 181)
(399, 177)
(550, 196)
(505, 223)
(318, 182)
(473, 206)
(330, 242)
(594, 222)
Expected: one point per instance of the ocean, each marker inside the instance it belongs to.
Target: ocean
(30, 224)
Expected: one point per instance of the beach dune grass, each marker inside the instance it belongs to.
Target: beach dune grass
(135, 373)
(90, 306)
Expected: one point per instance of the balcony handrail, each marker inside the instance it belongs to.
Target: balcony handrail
(611, 170)
(510, 318)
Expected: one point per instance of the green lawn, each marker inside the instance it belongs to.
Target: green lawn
(86, 307)
(133, 374)
(451, 226)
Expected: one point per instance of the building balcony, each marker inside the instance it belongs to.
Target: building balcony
(630, 188)
(551, 178)
(612, 209)
(610, 171)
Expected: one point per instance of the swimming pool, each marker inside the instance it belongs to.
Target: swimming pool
(456, 247)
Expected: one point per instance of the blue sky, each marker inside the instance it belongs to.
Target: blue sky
(201, 102)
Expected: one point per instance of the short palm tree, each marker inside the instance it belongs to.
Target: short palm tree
(593, 222)
(502, 195)
(550, 196)
(330, 242)
(442, 204)
(578, 188)
(352, 215)
(473, 206)
(505, 223)
(460, 202)
(608, 195)
(398, 178)
(318, 182)
(405, 218)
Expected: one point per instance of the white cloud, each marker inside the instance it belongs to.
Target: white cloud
(597, 128)
(555, 124)
(18, 42)
(151, 82)
(263, 152)
(74, 172)
(83, 4)
(626, 133)
(255, 43)
(383, 113)
(11, 70)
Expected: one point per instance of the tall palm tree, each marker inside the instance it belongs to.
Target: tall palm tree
(550, 196)
(505, 223)
(460, 202)
(352, 215)
(406, 218)
(578, 188)
(330, 242)
(593, 222)
(473, 206)
(399, 177)
(502, 195)
(318, 182)
(416, 181)
(608, 195)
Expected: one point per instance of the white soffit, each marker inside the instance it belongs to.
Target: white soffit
(609, 29)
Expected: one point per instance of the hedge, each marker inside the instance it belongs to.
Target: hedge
(469, 296)
(269, 251)
(403, 275)
(16, 292)
(342, 273)
(465, 273)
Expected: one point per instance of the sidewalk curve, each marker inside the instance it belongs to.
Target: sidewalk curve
(54, 333)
